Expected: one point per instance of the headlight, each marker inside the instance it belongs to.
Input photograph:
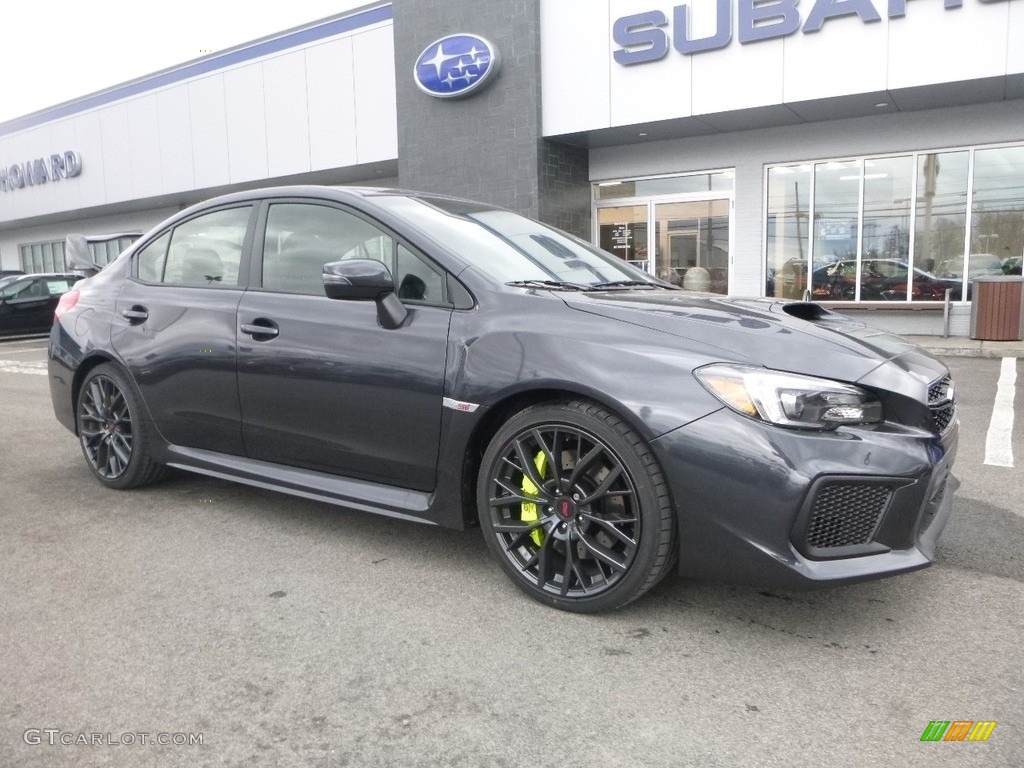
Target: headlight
(788, 399)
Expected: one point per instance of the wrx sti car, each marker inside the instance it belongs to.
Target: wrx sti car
(457, 364)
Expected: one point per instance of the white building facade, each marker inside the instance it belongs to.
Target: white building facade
(868, 154)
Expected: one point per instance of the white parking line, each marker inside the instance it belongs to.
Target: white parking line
(22, 350)
(20, 366)
(10, 341)
(998, 445)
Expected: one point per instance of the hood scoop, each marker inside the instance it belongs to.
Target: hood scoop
(806, 310)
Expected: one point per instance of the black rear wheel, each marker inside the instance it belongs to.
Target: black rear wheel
(115, 440)
(575, 508)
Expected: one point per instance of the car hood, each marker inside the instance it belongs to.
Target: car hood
(799, 337)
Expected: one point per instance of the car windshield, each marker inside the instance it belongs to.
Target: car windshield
(514, 249)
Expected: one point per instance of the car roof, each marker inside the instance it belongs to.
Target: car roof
(339, 193)
(44, 274)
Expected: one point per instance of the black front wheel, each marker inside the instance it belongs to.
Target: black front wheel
(115, 440)
(574, 505)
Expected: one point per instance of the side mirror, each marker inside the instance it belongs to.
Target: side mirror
(366, 280)
(357, 279)
(78, 256)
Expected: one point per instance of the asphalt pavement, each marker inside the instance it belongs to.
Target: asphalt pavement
(283, 632)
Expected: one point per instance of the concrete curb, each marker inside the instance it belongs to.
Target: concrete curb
(961, 347)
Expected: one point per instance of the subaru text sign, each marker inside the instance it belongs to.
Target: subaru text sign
(456, 65)
(644, 37)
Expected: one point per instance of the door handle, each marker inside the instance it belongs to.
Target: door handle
(136, 314)
(255, 330)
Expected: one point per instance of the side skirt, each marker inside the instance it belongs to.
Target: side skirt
(360, 495)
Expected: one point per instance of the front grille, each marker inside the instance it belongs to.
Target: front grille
(846, 514)
(942, 403)
(938, 392)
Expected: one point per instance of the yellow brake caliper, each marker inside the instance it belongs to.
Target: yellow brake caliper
(529, 511)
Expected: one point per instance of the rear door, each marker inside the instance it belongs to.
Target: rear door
(326, 387)
(25, 307)
(174, 327)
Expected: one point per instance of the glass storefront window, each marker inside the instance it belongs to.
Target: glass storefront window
(885, 230)
(894, 228)
(789, 197)
(834, 248)
(42, 257)
(997, 212)
(941, 225)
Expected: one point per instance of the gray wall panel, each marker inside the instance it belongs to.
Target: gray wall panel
(487, 146)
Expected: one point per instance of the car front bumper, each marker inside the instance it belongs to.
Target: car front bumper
(764, 505)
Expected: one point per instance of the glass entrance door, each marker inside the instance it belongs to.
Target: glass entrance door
(622, 230)
(691, 244)
(683, 241)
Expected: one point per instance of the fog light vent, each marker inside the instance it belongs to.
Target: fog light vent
(846, 514)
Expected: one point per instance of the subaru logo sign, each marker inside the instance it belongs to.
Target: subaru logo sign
(455, 66)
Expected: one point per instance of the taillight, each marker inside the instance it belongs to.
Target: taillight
(67, 301)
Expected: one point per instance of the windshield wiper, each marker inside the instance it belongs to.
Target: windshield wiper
(624, 284)
(560, 284)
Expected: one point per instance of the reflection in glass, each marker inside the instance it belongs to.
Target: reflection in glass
(623, 232)
(834, 248)
(941, 221)
(885, 236)
(997, 212)
(789, 191)
(692, 244)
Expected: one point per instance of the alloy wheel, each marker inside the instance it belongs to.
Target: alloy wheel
(564, 510)
(105, 427)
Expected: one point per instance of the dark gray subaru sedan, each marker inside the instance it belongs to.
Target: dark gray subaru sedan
(456, 364)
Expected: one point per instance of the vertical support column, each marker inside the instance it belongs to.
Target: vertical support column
(487, 146)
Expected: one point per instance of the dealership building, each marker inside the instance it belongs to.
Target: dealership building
(868, 154)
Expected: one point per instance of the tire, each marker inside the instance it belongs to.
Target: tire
(589, 531)
(116, 441)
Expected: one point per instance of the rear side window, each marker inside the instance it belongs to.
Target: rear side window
(204, 251)
(58, 286)
(151, 259)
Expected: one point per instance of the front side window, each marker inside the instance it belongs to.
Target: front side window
(204, 251)
(301, 238)
(17, 290)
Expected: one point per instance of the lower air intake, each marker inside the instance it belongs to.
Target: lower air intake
(846, 514)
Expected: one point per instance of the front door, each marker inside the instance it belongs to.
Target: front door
(325, 387)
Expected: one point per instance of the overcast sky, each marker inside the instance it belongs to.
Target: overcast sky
(57, 50)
